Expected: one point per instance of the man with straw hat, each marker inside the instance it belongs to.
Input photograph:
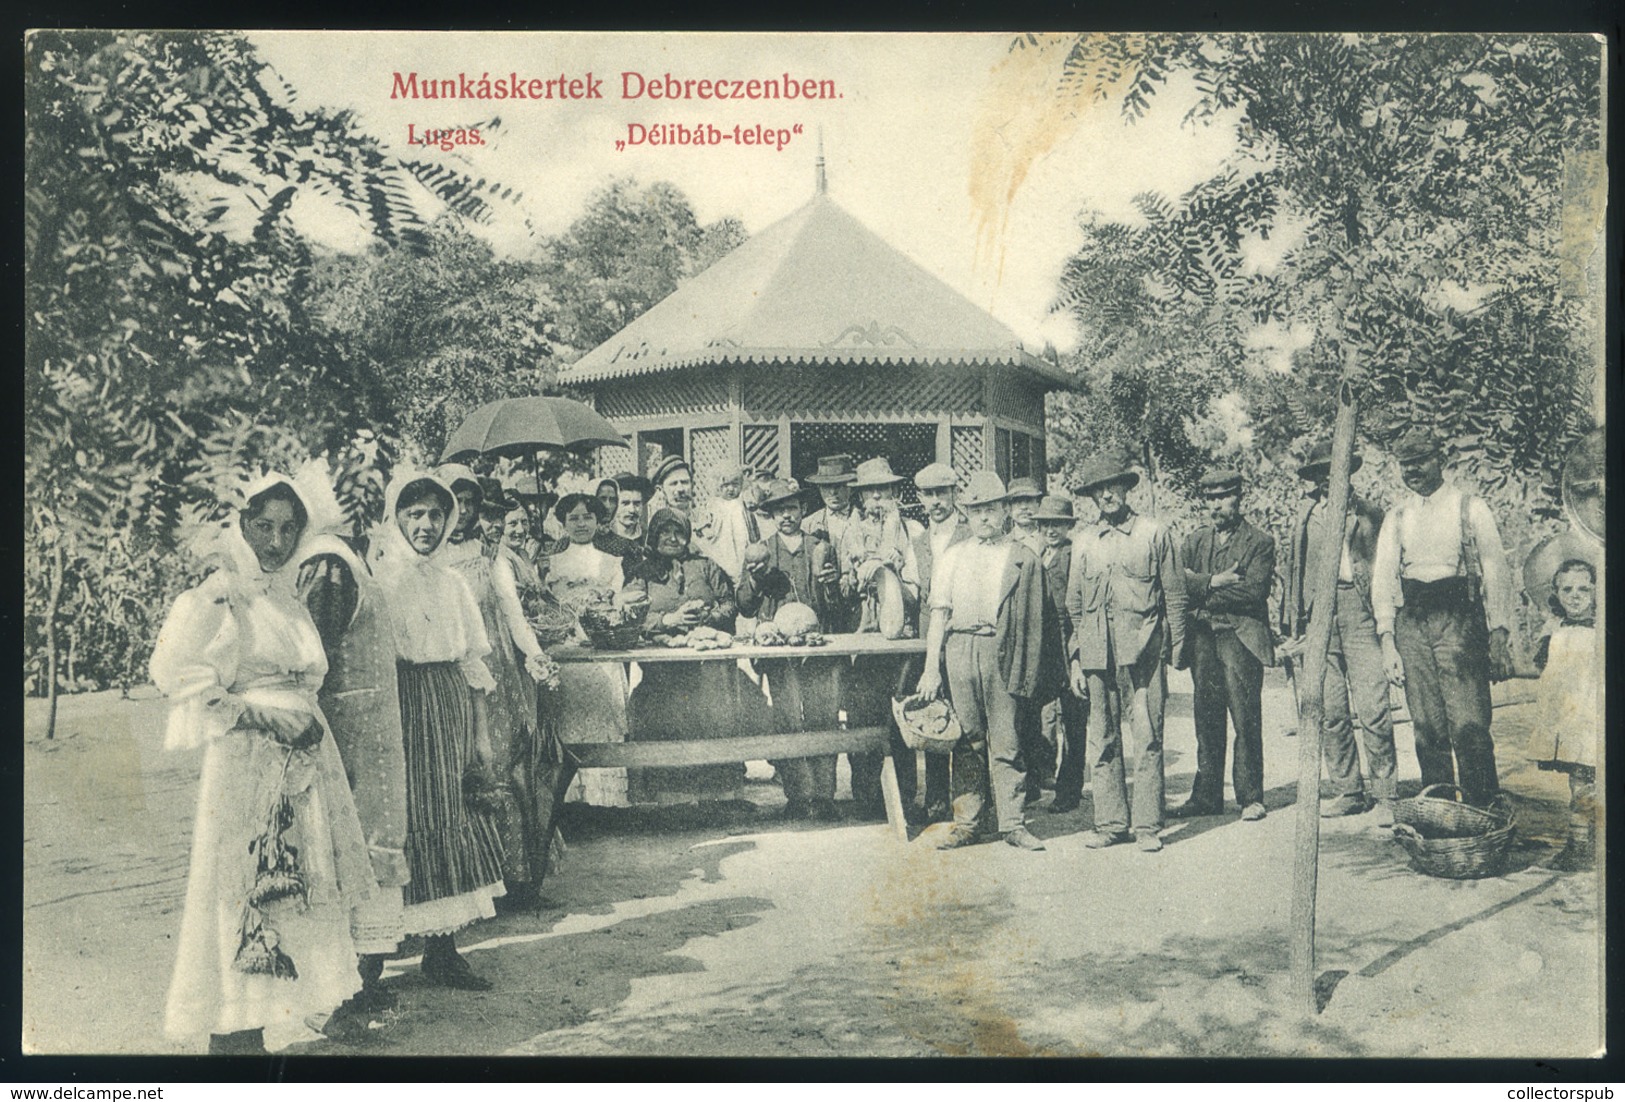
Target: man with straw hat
(1355, 686)
(987, 627)
(1229, 565)
(1065, 718)
(833, 481)
(1442, 598)
(1126, 598)
(876, 547)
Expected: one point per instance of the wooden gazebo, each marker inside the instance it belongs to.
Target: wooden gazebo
(813, 337)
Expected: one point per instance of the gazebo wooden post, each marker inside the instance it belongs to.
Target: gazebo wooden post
(1311, 710)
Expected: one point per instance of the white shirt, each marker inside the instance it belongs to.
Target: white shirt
(1421, 539)
(967, 582)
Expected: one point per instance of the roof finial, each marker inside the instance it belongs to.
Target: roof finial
(820, 180)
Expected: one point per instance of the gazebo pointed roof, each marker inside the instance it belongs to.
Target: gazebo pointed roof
(815, 287)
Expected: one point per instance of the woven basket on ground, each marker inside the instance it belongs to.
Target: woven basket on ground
(1438, 849)
(1436, 817)
(926, 723)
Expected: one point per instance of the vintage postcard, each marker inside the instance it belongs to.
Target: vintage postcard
(814, 545)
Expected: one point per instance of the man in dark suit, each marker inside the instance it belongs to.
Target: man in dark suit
(1356, 686)
(1068, 715)
(1229, 565)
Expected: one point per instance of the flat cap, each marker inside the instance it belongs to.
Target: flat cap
(1417, 443)
(1022, 489)
(670, 466)
(984, 488)
(937, 476)
(1219, 483)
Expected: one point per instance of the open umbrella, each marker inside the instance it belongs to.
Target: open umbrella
(518, 427)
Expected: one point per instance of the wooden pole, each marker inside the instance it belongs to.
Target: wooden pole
(1311, 710)
(52, 605)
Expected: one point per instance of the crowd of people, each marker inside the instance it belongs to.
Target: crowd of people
(383, 729)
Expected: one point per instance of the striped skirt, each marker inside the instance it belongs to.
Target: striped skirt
(454, 853)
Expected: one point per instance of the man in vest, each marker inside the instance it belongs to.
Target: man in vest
(1066, 718)
(1229, 565)
(787, 567)
(833, 478)
(1355, 686)
(1126, 598)
(938, 491)
(1441, 595)
(987, 622)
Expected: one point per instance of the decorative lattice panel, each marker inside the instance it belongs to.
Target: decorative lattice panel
(1015, 398)
(908, 447)
(708, 454)
(966, 442)
(762, 448)
(614, 461)
(656, 395)
(860, 388)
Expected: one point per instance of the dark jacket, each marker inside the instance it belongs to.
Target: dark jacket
(923, 557)
(1362, 526)
(1032, 657)
(790, 577)
(1243, 605)
(1057, 573)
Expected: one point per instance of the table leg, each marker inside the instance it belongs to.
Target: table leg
(894, 798)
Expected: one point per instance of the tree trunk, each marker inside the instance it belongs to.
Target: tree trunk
(51, 606)
(1311, 710)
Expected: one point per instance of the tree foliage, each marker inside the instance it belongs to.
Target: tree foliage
(1399, 210)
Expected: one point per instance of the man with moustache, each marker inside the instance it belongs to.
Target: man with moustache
(878, 539)
(833, 479)
(938, 490)
(1442, 598)
(623, 534)
(1355, 684)
(1229, 565)
(1126, 598)
(986, 624)
(793, 566)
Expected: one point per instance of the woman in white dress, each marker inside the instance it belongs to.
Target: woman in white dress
(592, 696)
(278, 855)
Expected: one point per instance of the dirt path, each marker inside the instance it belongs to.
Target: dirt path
(725, 932)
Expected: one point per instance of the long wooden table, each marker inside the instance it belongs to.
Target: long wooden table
(718, 751)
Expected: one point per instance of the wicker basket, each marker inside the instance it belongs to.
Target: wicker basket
(1435, 817)
(1438, 852)
(606, 634)
(926, 723)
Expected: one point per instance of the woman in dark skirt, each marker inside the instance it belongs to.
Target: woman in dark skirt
(452, 845)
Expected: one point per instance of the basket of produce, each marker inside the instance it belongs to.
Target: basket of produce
(552, 622)
(1439, 851)
(926, 723)
(1438, 817)
(612, 627)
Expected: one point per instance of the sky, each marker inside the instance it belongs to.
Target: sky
(953, 148)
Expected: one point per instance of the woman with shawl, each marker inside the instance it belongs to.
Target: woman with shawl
(678, 700)
(516, 662)
(452, 846)
(278, 856)
(362, 704)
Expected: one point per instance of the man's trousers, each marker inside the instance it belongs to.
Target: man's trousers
(1445, 650)
(1136, 694)
(1068, 719)
(804, 693)
(986, 713)
(1226, 677)
(1356, 694)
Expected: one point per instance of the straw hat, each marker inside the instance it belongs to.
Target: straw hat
(876, 472)
(833, 470)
